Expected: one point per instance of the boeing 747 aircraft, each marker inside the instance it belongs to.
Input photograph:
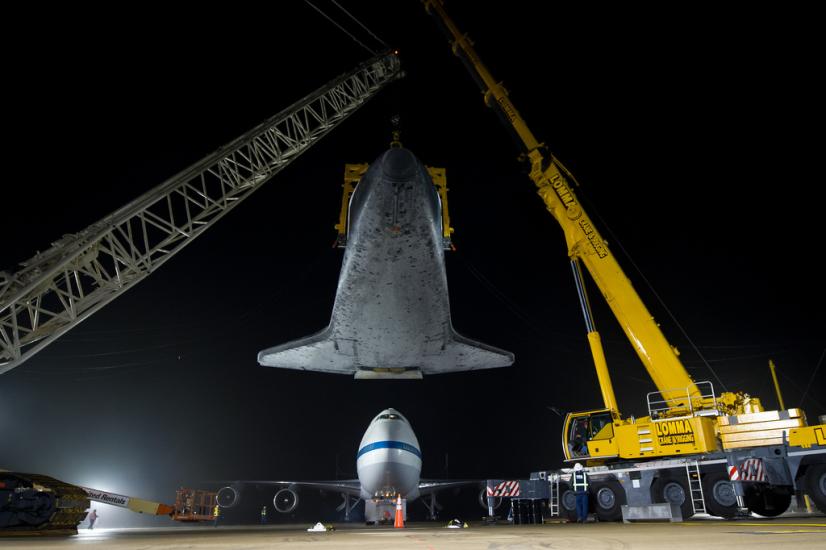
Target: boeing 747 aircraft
(388, 463)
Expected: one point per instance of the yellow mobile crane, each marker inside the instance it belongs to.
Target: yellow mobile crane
(702, 451)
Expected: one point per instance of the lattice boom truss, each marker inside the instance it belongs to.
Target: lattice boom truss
(83, 272)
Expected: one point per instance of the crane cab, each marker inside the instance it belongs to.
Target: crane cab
(600, 434)
(589, 434)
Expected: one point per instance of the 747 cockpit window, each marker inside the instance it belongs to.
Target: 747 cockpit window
(389, 417)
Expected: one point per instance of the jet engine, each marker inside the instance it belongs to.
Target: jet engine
(285, 500)
(228, 497)
(483, 499)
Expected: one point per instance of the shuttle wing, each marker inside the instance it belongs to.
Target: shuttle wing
(323, 352)
(317, 352)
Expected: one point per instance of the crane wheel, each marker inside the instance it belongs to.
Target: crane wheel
(719, 494)
(768, 502)
(675, 491)
(567, 502)
(608, 498)
(815, 483)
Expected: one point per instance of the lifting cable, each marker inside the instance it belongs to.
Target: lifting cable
(517, 311)
(345, 31)
(794, 385)
(657, 296)
(359, 23)
(812, 379)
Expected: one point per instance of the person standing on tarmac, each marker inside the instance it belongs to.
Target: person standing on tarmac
(93, 516)
(216, 513)
(264, 515)
(579, 483)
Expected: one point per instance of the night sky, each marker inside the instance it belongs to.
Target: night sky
(696, 143)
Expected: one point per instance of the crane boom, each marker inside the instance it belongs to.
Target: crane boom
(81, 273)
(585, 244)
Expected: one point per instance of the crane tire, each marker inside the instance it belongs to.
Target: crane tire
(675, 491)
(567, 502)
(815, 483)
(768, 502)
(719, 494)
(607, 498)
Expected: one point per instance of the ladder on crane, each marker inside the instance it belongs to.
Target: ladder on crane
(695, 487)
(81, 273)
(553, 501)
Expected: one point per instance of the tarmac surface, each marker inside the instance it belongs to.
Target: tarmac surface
(802, 533)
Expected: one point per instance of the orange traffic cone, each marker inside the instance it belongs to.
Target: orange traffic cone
(399, 513)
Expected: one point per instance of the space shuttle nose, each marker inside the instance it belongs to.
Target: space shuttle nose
(399, 164)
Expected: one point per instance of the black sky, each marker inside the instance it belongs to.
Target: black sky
(696, 140)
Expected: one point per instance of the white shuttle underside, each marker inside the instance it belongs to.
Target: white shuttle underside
(391, 317)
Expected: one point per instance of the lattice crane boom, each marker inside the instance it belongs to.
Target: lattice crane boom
(57, 289)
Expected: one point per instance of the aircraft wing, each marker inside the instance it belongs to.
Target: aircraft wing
(428, 486)
(349, 486)
(285, 492)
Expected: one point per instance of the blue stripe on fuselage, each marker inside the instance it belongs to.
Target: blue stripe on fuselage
(389, 445)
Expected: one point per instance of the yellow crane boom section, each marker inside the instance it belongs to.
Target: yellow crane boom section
(584, 241)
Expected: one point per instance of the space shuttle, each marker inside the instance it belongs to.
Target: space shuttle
(391, 316)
